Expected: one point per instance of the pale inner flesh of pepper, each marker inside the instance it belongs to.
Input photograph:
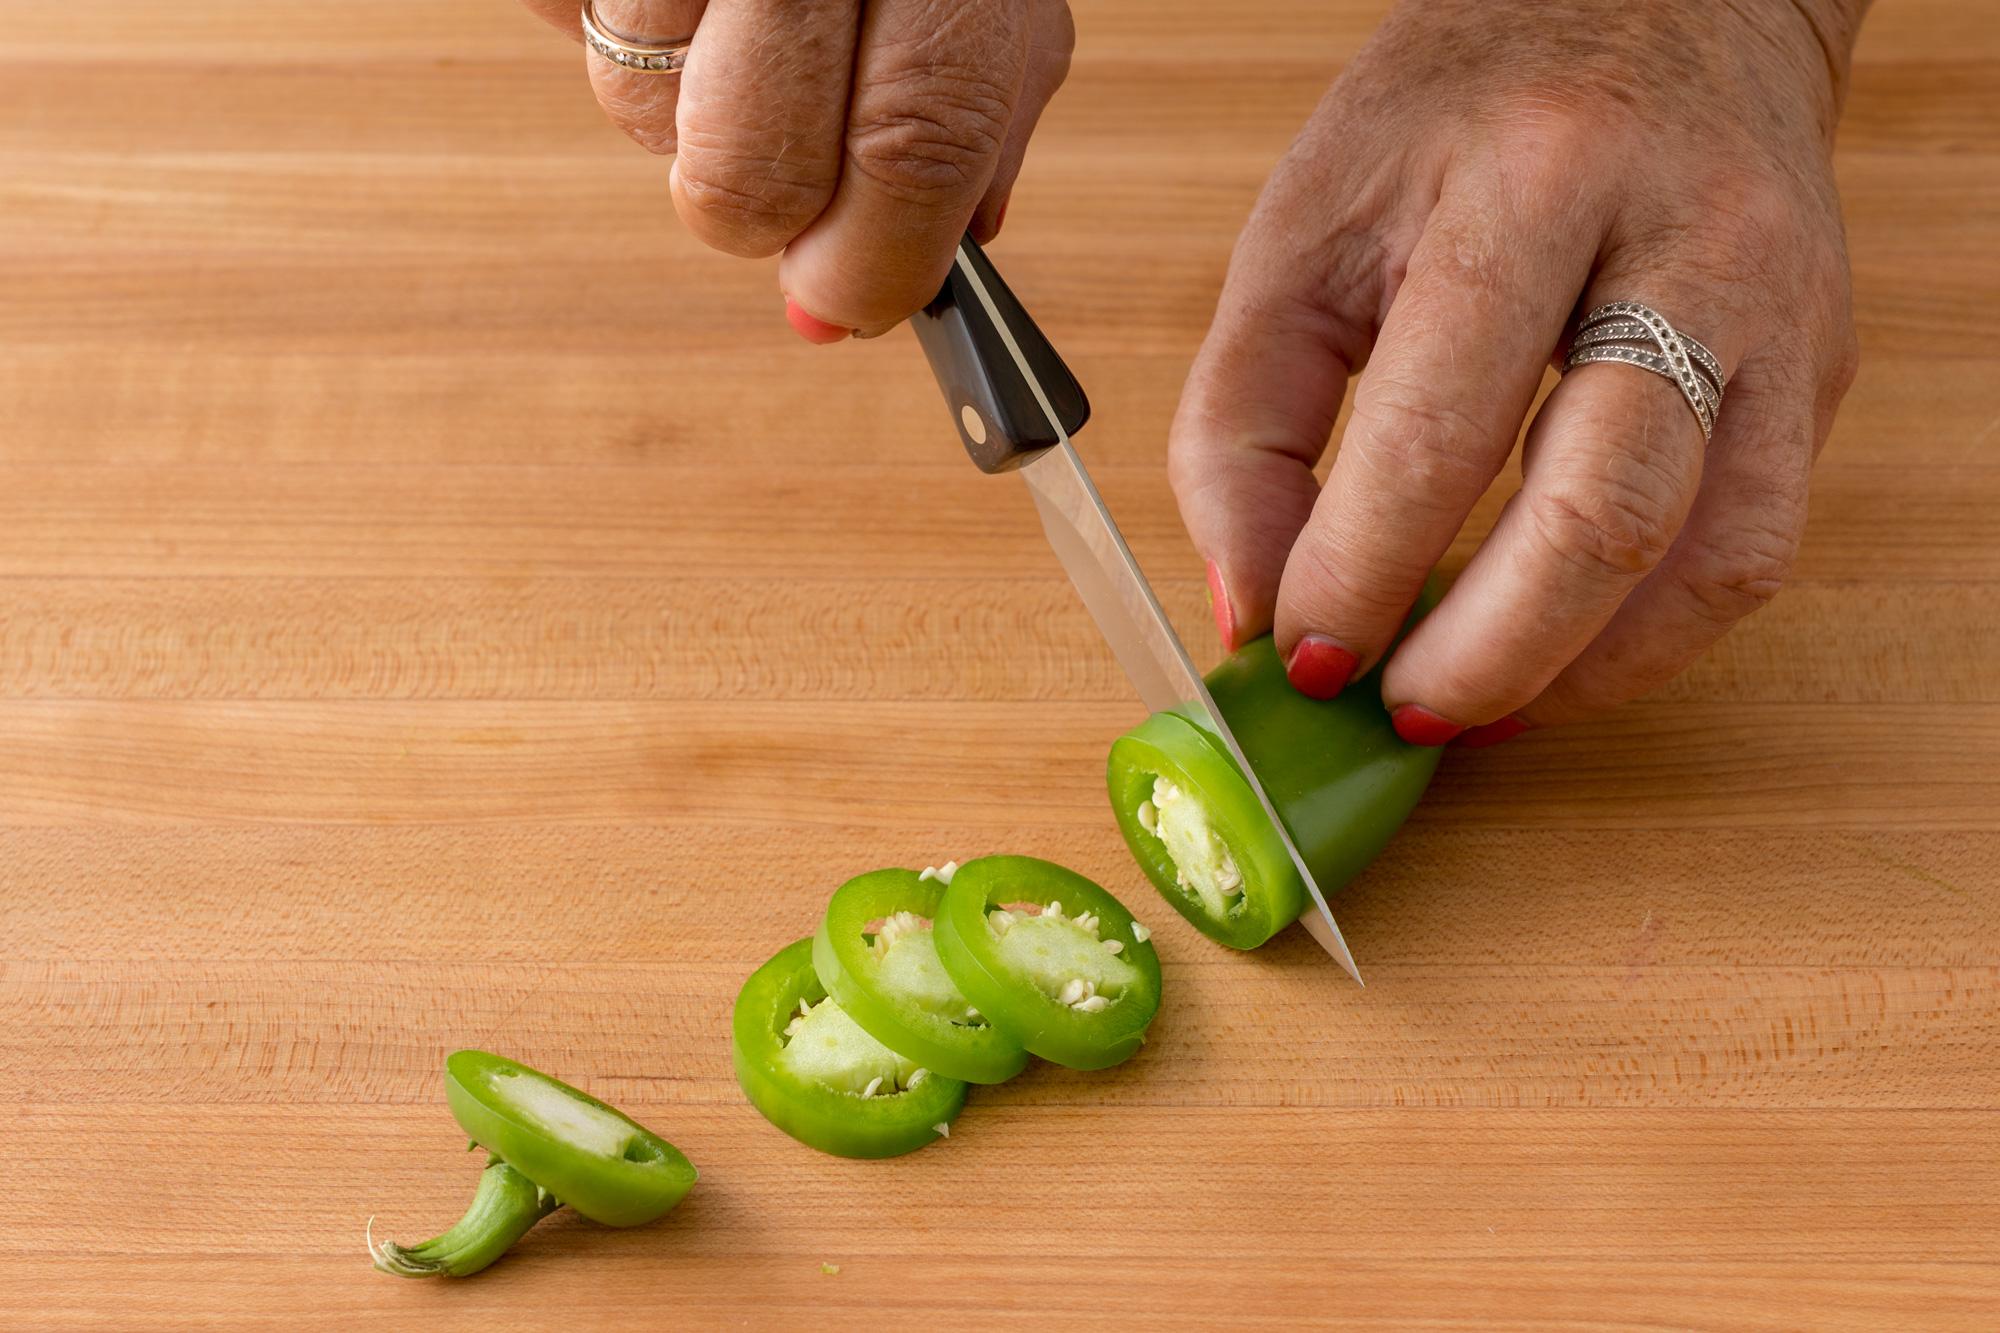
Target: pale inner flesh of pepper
(1201, 860)
(560, 1115)
(825, 1045)
(1067, 957)
(907, 965)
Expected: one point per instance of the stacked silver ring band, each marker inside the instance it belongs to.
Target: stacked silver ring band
(645, 56)
(1638, 335)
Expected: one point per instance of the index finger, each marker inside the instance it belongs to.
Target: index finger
(1436, 414)
(935, 90)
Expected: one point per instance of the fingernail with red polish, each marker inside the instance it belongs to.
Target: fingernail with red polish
(811, 329)
(1492, 733)
(1420, 726)
(1218, 602)
(1319, 668)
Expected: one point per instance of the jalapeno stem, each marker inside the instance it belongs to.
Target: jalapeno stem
(504, 1207)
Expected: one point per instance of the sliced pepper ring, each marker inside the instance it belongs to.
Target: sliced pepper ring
(1167, 749)
(876, 956)
(816, 1074)
(1050, 959)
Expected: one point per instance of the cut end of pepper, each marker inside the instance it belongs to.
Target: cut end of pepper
(1194, 847)
(1340, 779)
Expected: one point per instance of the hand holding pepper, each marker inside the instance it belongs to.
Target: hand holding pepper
(1479, 172)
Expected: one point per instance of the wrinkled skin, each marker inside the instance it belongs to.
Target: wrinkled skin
(1480, 173)
(860, 140)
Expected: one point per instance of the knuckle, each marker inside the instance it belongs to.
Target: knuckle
(929, 136)
(1238, 491)
(1790, 360)
(1758, 209)
(1730, 574)
(747, 204)
(1612, 529)
(1543, 142)
(1467, 258)
(1333, 584)
(1747, 243)
(1768, 254)
(1559, 147)
(1554, 131)
(1422, 451)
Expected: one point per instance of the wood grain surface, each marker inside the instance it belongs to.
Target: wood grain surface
(441, 605)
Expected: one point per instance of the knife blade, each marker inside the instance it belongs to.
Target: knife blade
(1016, 406)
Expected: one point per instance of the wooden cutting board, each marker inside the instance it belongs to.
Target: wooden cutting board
(441, 605)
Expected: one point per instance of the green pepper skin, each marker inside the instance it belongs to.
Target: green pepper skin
(845, 965)
(1341, 778)
(504, 1208)
(640, 1181)
(1012, 1002)
(814, 1114)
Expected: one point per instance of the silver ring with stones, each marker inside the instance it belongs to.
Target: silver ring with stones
(644, 56)
(1638, 335)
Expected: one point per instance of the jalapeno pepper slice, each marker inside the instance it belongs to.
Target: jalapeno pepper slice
(816, 1074)
(876, 957)
(1050, 959)
(593, 1157)
(551, 1145)
(1336, 770)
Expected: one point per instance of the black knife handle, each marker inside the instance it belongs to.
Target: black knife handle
(994, 408)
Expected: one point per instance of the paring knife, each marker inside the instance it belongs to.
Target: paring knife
(1016, 405)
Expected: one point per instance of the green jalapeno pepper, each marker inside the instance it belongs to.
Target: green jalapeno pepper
(876, 957)
(1339, 775)
(1050, 959)
(550, 1145)
(819, 1076)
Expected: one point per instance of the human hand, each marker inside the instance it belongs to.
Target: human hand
(861, 140)
(1481, 171)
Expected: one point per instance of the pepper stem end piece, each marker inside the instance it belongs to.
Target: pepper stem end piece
(504, 1207)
